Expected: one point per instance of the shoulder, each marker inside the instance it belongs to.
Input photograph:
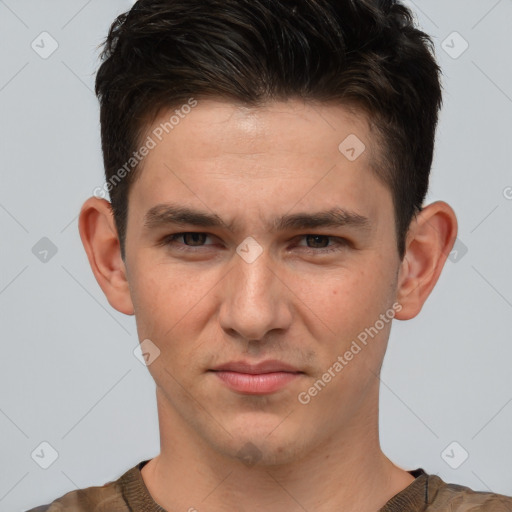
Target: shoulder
(459, 498)
(105, 498)
(92, 499)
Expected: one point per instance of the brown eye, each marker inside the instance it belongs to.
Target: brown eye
(193, 238)
(318, 241)
(186, 239)
(320, 244)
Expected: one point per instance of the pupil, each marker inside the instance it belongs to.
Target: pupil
(318, 237)
(194, 236)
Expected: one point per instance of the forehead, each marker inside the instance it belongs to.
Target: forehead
(219, 128)
(221, 156)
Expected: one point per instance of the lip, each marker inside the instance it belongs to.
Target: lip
(255, 379)
(256, 383)
(268, 366)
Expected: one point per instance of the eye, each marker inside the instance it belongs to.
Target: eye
(319, 243)
(190, 239)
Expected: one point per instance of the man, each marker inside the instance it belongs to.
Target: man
(267, 163)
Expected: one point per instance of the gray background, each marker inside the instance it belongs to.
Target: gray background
(68, 374)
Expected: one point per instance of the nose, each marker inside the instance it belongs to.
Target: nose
(255, 300)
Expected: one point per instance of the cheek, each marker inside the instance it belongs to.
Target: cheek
(170, 301)
(157, 299)
(338, 296)
(165, 286)
(170, 313)
(346, 303)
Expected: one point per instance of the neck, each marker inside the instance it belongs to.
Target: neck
(335, 475)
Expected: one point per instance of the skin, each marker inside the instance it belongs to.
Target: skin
(205, 305)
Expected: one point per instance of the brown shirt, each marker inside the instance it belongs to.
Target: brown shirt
(427, 493)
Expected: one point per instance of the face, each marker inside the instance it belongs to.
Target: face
(266, 277)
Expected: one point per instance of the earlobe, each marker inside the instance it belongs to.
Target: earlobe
(430, 239)
(99, 238)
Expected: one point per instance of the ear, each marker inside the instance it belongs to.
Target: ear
(101, 243)
(430, 239)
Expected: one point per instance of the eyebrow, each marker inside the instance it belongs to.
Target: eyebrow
(166, 214)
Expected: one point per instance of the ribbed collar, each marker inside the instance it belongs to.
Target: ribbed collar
(136, 493)
(411, 499)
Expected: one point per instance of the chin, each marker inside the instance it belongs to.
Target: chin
(265, 447)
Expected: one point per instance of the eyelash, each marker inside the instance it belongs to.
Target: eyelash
(170, 240)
